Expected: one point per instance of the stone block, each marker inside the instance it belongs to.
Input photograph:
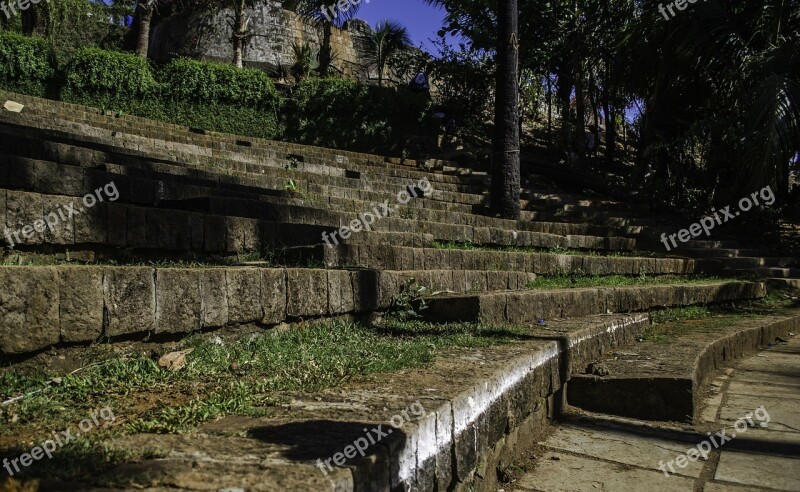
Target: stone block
(307, 292)
(117, 224)
(24, 211)
(28, 309)
(90, 221)
(365, 290)
(340, 292)
(173, 230)
(178, 304)
(273, 295)
(21, 173)
(56, 179)
(244, 295)
(136, 223)
(197, 231)
(214, 297)
(81, 303)
(215, 234)
(130, 301)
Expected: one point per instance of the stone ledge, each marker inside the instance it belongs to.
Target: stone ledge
(44, 306)
(482, 407)
(532, 305)
(663, 387)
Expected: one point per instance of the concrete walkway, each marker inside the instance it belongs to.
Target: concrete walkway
(590, 453)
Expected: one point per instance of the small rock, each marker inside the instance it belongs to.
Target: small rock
(12, 106)
(598, 369)
(763, 425)
(234, 366)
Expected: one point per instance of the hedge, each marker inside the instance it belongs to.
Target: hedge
(326, 112)
(348, 115)
(27, 64)
(216, 83)
(109, 79)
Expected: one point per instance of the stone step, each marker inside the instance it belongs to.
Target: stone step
(533, 306)
(783, 283)
(302, 158)
(399, 258)
(725, 253)
(229, 225)
(711, 244)
(654, 384)
(612, 218)
(773, 272)
(728, 264)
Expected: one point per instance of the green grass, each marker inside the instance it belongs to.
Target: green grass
(246, 376)
(675, 322)
(308, 360)
(579, 281)
(469, 246)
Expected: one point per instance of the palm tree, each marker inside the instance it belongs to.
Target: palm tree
(144, 16)
(505, 187)
(504, 195)
(381, 45)
(326, 14)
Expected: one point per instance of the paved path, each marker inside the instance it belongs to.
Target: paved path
(586, 454)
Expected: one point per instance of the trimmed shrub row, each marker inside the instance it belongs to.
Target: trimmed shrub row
(218, 97)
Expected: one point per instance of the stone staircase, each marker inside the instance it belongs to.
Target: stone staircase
(208, 231)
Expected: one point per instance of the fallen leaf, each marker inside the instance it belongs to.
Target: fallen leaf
(175, 361)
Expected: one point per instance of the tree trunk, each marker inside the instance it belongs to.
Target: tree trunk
(325, 50)
(504, 196)
(143, 40)
(549, 104)
(564, 84)
(239, 34)
(580, 109)
(610, 121)
(29, 17)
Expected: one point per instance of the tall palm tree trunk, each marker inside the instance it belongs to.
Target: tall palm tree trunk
(145, 17)
(505, 154)
(325, 50)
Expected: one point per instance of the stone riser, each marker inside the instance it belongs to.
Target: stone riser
(123, 225)
(399, 258)
(531, 306)
(44, 306)
(673, 398)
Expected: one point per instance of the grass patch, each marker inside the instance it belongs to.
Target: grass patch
(241, 377)
(469, 246)
(675, 322)
(579, 281)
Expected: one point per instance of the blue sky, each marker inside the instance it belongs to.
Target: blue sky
(421, 20)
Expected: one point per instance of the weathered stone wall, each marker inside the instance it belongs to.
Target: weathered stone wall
(275, 30)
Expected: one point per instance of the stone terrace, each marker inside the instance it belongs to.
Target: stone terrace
(245, 220)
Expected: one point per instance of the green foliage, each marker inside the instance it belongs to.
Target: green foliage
(108, 78)
(27, 64)
(347, 115)
(217, 83)
(464, 80)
